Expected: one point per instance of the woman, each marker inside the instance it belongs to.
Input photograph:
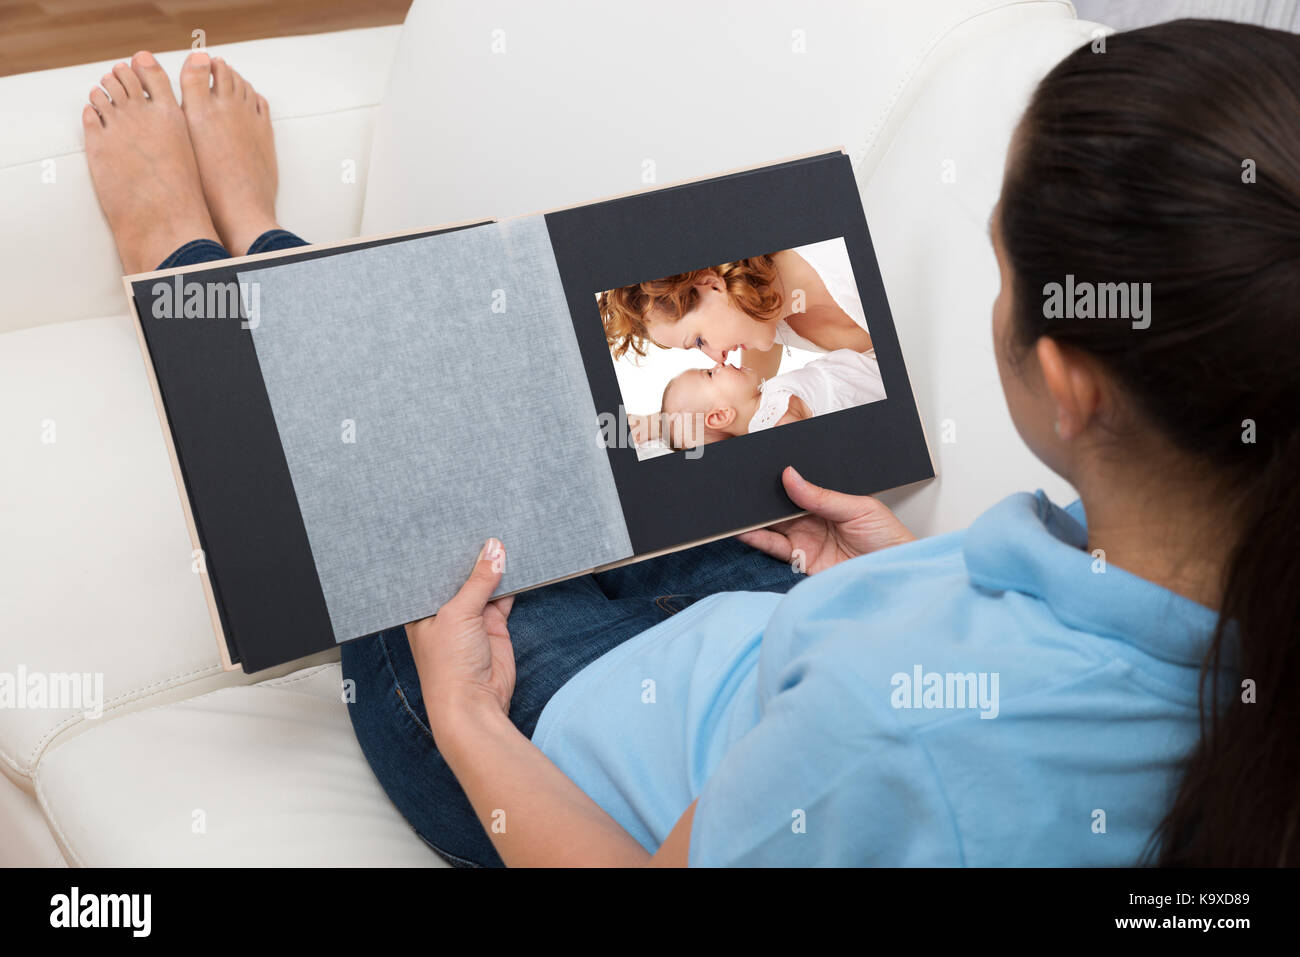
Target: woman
(802, 298)
(1131, 679)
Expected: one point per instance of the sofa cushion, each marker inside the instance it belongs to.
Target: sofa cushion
(268, 774)
(96, 559)
(501, 109)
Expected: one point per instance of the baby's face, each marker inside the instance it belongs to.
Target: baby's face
(718, 387)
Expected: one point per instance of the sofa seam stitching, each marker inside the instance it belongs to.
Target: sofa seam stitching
(286, 680)
(146, 691)
(53, 822)
(36, 781)
(868, 142)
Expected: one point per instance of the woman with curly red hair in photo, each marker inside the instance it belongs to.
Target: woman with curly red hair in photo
(796, 298)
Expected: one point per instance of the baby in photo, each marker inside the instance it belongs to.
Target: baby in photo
(700, 406)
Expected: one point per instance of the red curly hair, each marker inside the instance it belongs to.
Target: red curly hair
(624, 311)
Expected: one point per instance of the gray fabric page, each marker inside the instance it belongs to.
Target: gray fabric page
(430, 394)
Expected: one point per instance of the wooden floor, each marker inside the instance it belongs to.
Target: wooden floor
(40, 34)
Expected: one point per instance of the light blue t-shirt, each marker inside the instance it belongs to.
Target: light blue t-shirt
(997, 696)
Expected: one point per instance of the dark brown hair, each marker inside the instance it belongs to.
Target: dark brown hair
(1173, 158)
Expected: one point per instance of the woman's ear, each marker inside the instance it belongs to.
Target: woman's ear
(1073, 382)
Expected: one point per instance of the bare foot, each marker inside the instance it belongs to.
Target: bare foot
(143, 165)
(230, 126)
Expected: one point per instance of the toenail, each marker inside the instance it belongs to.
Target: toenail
(145, 58)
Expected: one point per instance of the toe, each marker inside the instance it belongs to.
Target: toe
(152, 77)
(113, 87)
(223, 77)
(130, 82)
(99, 101)
(196, 73)
(263, 107)
(90, 118)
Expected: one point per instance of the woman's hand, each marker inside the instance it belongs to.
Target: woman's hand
(463, 653)
(840, 527)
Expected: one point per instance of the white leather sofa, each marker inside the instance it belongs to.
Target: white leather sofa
(469, 110)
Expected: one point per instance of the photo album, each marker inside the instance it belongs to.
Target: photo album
(593, 385)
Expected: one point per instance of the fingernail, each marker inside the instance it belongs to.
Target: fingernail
(491, 550)
(795, 473)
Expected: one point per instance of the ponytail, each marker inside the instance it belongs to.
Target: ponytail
(1239, 801)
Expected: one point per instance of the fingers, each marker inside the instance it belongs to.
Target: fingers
(483, 580)
(770, 542)
(832, 506)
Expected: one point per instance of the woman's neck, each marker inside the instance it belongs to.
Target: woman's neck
(1167, 534)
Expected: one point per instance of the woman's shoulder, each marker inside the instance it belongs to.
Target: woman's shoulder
(928, 601)
(830, 260)
(959, 692)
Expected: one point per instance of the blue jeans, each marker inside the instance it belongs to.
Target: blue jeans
(556, 631)
(207, 250)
